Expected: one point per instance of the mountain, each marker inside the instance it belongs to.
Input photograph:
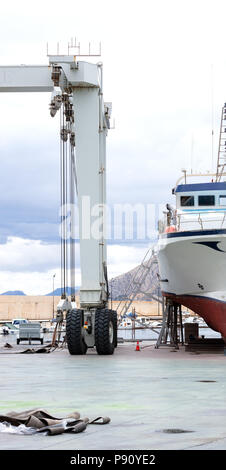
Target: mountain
(13, 292)
(142, 279)
(59, 291)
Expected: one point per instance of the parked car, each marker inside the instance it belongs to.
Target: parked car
(18, 321)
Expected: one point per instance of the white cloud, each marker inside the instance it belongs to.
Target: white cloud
(29, 265)
(157, 72)
(123, 258)
(34, 283)
(20, 254)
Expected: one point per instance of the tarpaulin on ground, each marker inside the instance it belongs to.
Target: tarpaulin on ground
(39, 420)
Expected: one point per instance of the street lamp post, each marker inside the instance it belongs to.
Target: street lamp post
(54, 275)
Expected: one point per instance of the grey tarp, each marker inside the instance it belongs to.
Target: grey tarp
(41, 421)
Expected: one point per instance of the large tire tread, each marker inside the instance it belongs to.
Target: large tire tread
(102, 319)
(75, 341)
(115, 323)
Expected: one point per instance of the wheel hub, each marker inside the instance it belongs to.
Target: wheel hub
(111, 332)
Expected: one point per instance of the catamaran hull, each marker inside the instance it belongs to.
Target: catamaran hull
(192, 268)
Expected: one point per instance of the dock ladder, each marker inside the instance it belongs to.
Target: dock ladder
(147, 266)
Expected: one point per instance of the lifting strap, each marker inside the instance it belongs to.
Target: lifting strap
(41, 421)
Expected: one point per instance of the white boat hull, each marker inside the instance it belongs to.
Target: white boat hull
(192, 268)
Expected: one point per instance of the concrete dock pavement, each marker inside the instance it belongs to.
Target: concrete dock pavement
(156, 398)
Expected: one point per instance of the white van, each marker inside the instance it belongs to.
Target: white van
(18, 321)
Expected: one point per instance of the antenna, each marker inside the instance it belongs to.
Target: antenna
(192, 151)
(212, 115)
(74, 48)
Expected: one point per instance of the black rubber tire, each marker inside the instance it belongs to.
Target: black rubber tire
(74, 324)
(104, 346)
(115, 323)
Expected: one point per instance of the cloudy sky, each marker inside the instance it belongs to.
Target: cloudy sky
(165, 73)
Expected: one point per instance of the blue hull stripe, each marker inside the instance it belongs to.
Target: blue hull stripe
(193, 233)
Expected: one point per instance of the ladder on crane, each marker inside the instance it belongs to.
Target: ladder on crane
(221, 160)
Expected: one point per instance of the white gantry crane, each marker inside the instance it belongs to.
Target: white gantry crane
(77, 92)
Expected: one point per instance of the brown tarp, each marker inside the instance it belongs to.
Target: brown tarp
(42, 421)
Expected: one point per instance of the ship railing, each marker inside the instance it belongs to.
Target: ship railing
(201, 221)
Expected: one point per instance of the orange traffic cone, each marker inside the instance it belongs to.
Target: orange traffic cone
(137, 346)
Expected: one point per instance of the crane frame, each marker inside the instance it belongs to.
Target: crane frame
(79, 86)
